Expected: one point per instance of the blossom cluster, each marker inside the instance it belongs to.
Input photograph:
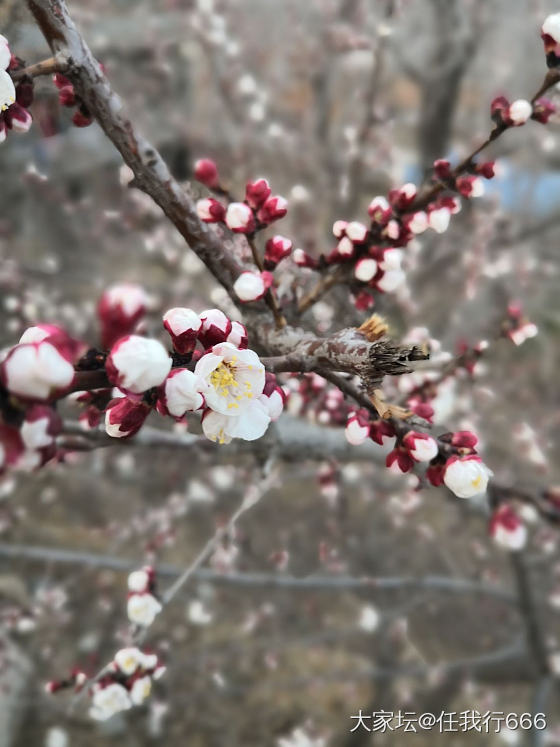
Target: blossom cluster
(15, 98)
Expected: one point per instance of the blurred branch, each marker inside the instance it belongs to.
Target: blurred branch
(536, 641)
(317, 582)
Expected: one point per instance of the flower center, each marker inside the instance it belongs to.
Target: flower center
(475, 482)
(223, 380)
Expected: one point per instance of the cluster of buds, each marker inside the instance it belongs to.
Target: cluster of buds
(221, 378)
(516, 327)
(67, 97)
(125, 682)
(33, 373)
(15, 98)
(452, 459)
(142, 604)
(517, 113)
(259, 209)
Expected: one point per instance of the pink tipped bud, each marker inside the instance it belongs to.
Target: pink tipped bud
(119, 310)
(470, 186)
(365, 269)
(507, 529)
(137, 364)
(357, 427)
(519, 112)
(251, 286)
(356, 232)
(303, 259)
(543, 109)
(210, 210)
(442, 169)
(238, 336)
(420, 446)
(206, 172)
(276, 249)
(486, 169)
(183, 325)
(124, 417)
(273, 209)
(380, 211)
(239, 218)
(215, 327)
(402, 197)
(257, 192)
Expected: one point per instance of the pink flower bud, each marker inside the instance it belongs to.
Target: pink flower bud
(356, 232)
(184, 326)
(365, 269)
(303, 259)
(420, 446)
(380, 430)
(119, 310)
(124, 417)
(17, 118)
(550, 34)
(485, 169)
(276, 249)
(499, 110)
(464, 439)
(399, 458)
(442, 169)
(357, 427)
(66, 96)
(470, 186)
(61, 81)
(239, 218)
(466, 476)
(345, 249)
(402, 197)
(273, 209)
(380, 211)
(215, 327)
(182, 392)
(507, 529)
(137, 364)
(417, 223)
(543, 109)
(251, 286)
(210, 210)
(82, 118)
(36, 371)
(439, 218)
(39, 430)
(339, 228)
(257, 192)
(238, 336)
(206, 171)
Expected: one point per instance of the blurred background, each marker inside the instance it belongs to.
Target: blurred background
(334, 101)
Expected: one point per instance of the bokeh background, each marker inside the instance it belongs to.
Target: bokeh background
(334, 101)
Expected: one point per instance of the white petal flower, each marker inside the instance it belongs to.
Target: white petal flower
(141, 690)
(234, 378)
(5, 54)
(520, 111)
(7, 91)
(467, 477)
(249, 425)
(365, 269)
(139, 363)
(184, 392)
(129, 659)
(138, 581)
(142, 609)
(34, 434)
(551, 26)
(249, 286)
(35, 370)
(109, 700)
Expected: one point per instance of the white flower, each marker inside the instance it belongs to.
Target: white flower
(439, 219)
(129, 659)
(520, 111)
(365, 269)
(250, 286)
(138, 580)
(7, 91)
(249, 425)
(467, 476)
(109, 700)
(391, 281)
(356, 231)
(369, 619)
(138, 363)
(141, 690)
(35, 434)
(419, 222)
(239, 216)
(129, 297)
(180, 320)
(183, 392)
(35, 370)
(5, 54)
(198, 614)
(551, 26)
(273, 403)
(142, 609)
(234, 378)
